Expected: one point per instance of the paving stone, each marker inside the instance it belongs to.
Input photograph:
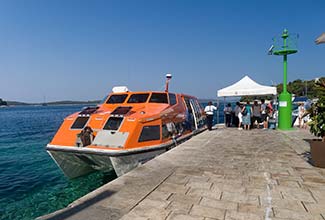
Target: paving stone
(175, 216)
(159, 195)
(208, 212)
(307, 172)
(236, 177)
(235, 215)
(178, 179)
(182, 207)
(256, 185)
(145, 212)
(313, 185)
(210, 193)
(240, 198)
(289, 183)
(173, 188)
(283, 174)
(266, 195)
(318, 194)
(298, 195)
(285, 213)
(284, 204)
(218, 204)
(213, 177)
(315, 208)
(253, 209)
(150, 203)
(187, 171)
(237, 182)
(237, 188)
(133, 216)
(199, 185)
(258, 179)
(192, 199)
(198, 179)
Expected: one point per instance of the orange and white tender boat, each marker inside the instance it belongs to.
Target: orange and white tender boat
(127, 129)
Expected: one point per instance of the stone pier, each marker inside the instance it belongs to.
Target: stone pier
(223, 174)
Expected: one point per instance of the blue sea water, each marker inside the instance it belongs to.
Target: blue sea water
(30, 182)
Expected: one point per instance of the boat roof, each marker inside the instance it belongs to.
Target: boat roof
(139, 92)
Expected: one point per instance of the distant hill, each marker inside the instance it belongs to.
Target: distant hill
(66, 102)
(16, 103)
(3, 102)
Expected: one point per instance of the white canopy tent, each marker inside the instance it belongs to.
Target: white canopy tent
(246, 87)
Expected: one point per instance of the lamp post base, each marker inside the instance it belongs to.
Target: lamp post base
(285, 111)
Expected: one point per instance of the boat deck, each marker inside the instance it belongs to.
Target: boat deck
(220, 174)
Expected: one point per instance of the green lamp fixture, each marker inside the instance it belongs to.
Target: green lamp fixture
(284, 47)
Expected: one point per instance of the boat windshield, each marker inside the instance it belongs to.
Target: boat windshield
(138, 98)
(113, 99)
(158, 98)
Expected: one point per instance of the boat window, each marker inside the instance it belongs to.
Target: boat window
(172, 98)
(150, 133)
(158, 98)
(188, 105)
(138, 98)
(165, 132)
(80, 123)
(116, 99)
(113, 123)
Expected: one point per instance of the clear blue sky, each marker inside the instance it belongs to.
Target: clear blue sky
(80, 49)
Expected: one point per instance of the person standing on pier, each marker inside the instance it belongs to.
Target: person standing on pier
(301, 112)
(228, 111)
(264, 114)
(209, 111)
(256, 114)
(236, 118)
(247, 112)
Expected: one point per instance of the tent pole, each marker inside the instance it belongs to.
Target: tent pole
(224, 105)
(218, 110)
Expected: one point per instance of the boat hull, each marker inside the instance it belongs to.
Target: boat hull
(78, 161)
(78, 164)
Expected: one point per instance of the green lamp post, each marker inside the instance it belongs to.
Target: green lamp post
(285, 98)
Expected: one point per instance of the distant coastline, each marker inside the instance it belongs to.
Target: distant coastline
(66, 102)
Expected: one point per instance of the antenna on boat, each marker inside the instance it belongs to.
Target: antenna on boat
(168, 77)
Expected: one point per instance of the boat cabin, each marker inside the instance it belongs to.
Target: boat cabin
(133, 119)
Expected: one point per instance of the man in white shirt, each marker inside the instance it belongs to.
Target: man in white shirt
(209, 112)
